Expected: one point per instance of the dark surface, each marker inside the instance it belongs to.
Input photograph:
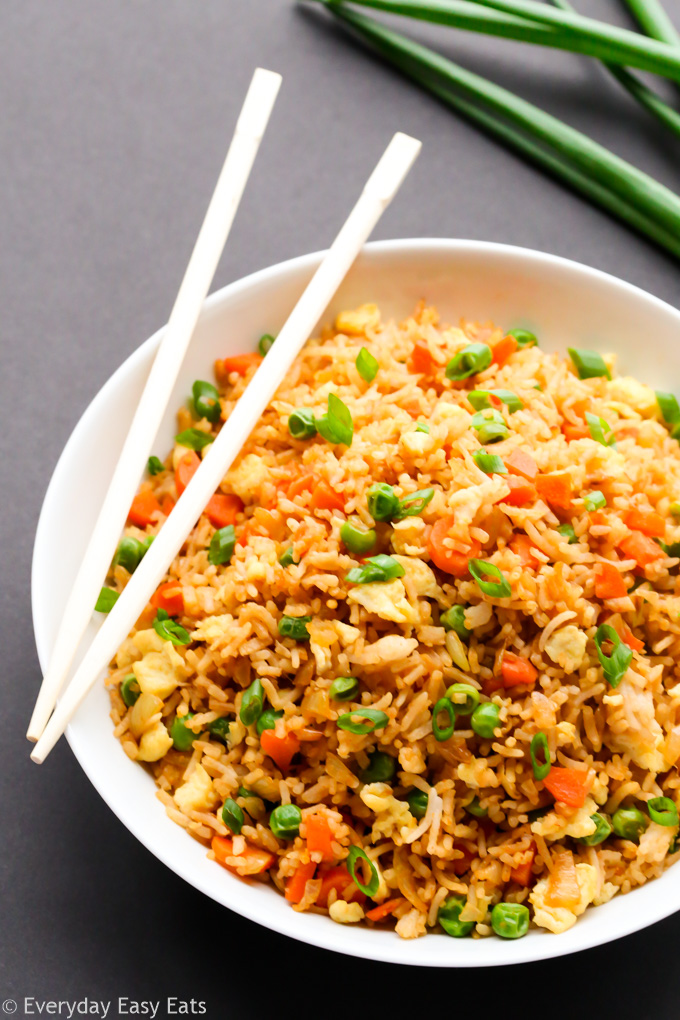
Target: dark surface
(113, 125)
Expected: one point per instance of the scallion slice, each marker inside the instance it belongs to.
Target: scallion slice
(222, 545)
(668, 405)
(539, 749)
(663, 811)
(567, 530)
(481, 399)
(414, 504)
(355, 854)
(367, 365)
(106, 601)
(497, 589)
(594, 500)
(376, 568)
(169, 630)
(194, 439)
(524, 338)
(154, 466)
(469, 361)
(614, 666)
(374, 720)
(446, 707)
(489, 463)
(336, 424)
(600, 430)
(588, 364)
(489, 425)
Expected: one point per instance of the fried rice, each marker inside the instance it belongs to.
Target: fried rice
(421, 814)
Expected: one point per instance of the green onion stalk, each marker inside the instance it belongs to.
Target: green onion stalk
(588, 167)
(653, 20)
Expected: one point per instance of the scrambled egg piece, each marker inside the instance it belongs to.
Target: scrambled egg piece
(407, 536)
(467, 502)
(357, 321)
(197, 793)
(346, 913)
(642, 737)
(559, 919)
(213, 628)
(160, 673)
(322, 635)
(246, 477)
(386, 649)
(476, 773)
(655, 842)
(416, 443)
(387, 599)
(456, 420)
(393, 817)
(147, 641)
(420, 576)
(154, 743)
(635, 394)
(567, 647)
(554, 826)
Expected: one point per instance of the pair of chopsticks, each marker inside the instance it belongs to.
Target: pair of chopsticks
(378, 192)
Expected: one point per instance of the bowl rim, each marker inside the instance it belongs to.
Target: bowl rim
(497, 952)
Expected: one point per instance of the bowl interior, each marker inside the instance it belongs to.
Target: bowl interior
(565, 304)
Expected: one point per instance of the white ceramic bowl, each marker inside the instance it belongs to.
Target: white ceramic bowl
(565, 304)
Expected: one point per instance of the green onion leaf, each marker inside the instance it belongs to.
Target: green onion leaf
(367, 365)
(169, 630)
(355, 854)
(446, 707)
(475, 808)
(194, 439)
(106, 601)
(374, 720)
(302, 424)
(498, 589)
(130, 690)
(376, 568)
(538, 749)
(287, 558)
(422, 426)
(481, 399)
(489, 425)
(206, 401)
(336, 424)
(568, 531)
(524, 338)
(472, 359)
(668, 405)
(588, 364)
(414, 504)
(219, 728)
(294, 627)
(489, 463)
(222, 545)
(267, 721)
(600, 430)
(614, 666)
(595, 500)
(154, 466)
(264, 344)
(663, 811)
(603, 830)
(232, 816)
(674, 509)
(383, 502)
(670, 548)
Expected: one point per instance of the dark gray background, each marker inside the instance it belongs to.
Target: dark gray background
(114, 121)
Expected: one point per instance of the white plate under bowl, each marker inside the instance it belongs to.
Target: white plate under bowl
(564, 304)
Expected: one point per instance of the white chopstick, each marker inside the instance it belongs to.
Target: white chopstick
(376, 196)
(210, 243)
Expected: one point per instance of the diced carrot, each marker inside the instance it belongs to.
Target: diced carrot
(640, 548)
(522, 874)
(385, 909)
(517, 670)
(221, 509)
(324, 498)
(628, 638)
(647, 521)
(462, 864)
(597, 517)
(421, 359)
(145, 509)
(522, 545)
(609, 582)
(281, 749)
(185, 470)
(168, 505)
(169, 597)
(240, 363)
(503, 350)
(491, 684)
(450, 560)
(569, 786)
(521, 491)
(555, 489)
(319, 836)
(519, 462)
(295, 886)
(338, 878)
(572, 431)
(306, 483)
(255, 859)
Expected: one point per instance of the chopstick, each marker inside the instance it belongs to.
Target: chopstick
(378, 192)
(199, 273)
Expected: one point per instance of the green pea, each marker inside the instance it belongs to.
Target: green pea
(629, 823)
(357, 539)
(129, 690)
(475, 808)
(219, 728)
(510, 920)
(264, 343)
(380, 769)
(284, 821)
(302, 424)
(129, 553)
(344, 688)
(603, 829)
(206, 401)
(449, 917)
(454, 619)
(252, 703)
(383, 502)
(467, 707)
(232, 816)
(485, 719)
(417, 803)
(267, 720)
(294, 627)
(182, 737)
